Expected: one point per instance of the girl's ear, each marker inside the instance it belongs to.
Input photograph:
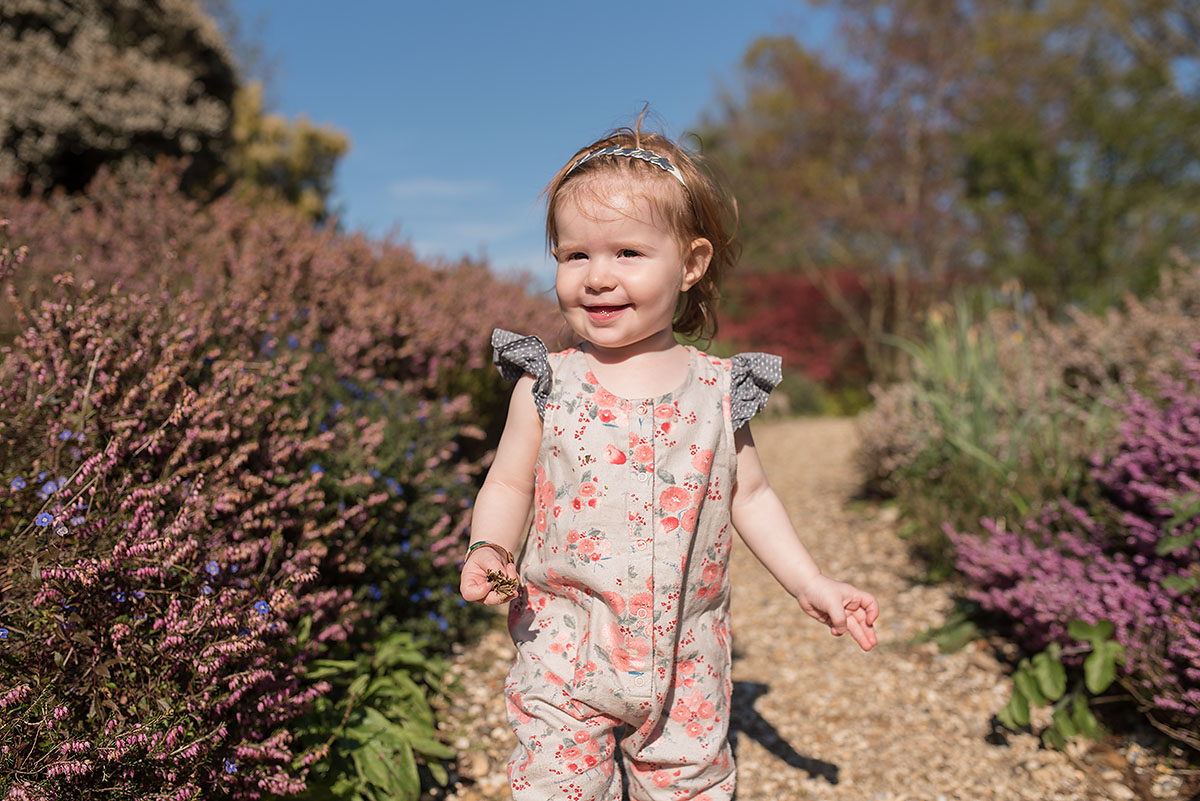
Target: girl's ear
(695, 262)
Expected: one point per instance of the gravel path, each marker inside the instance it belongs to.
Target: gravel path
(814, 716)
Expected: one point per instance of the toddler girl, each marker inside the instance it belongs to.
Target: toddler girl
(635, 454)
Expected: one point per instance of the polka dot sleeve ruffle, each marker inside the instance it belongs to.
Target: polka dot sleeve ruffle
(515, 355)
(752, 377)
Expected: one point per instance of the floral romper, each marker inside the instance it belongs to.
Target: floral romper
(623, 615)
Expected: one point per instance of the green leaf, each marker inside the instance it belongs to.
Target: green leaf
(1099, 669)
(1174, 542)
(1181, 584)
(1185, 508)
(1062, 722)
(1053, 738)
(953, 637)
(304, 629)
(357, 686)
(382, 768)
(439, 773)
(1027, 683)
(1015, 714)
(1099, 632)
(1083, 718)
(1051, 676)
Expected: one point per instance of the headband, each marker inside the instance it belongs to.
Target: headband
(633, 153)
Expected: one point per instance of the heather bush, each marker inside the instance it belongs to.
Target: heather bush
(1132, 557)
(224, 500)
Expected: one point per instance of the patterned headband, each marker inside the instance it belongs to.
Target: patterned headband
(633, 153)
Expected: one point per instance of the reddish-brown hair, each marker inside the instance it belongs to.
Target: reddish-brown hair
(702, 208)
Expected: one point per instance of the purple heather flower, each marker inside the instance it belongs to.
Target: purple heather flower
(262, 607)
(230, 766)
(212, 567)
(17, 483)
(44, 519)
(65, 434)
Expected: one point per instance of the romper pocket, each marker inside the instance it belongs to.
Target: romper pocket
(615, 653)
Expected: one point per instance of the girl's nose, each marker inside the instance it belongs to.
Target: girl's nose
(599, 275)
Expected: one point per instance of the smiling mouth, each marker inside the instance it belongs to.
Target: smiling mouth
(605, 312)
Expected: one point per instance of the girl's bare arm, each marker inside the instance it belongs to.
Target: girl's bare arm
(764, 525)
(502, 505)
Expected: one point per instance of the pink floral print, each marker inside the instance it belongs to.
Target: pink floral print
(622, 620)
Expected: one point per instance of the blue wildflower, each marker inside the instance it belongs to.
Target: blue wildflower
(78, 520)
(61, 529)
(118, 597)
(262, 607)
(373, 473)
(292, 341)
(139, 594)
(318, 347)
(337, 406)
(443, 624)
(42, 475)
(206, 589)
(323, 428)
(462, 602)
(230, 766)
(406, 546)
(212, 567)
(17, 484)
(393, 485)
(65, 434)
(243, 632)
(44, 519)
(374, 592)
(50, 487)
(3, 634)
(415, 597)
(316, 468)
(234, 568)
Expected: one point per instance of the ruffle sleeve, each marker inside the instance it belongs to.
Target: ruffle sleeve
(752, 377)
(516, 355)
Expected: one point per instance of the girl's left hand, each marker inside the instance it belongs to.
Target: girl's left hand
(843, 608)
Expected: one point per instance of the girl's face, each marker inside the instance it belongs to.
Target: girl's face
(620, 271)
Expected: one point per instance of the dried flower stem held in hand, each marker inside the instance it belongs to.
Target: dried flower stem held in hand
(502, 584)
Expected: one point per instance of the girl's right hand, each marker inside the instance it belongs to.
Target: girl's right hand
(474, 584)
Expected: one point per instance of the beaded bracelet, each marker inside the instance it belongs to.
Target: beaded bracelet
(500, 549)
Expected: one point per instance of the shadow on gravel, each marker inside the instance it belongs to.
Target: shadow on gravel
(747, 720)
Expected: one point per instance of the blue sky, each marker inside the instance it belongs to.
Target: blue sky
(459, 112)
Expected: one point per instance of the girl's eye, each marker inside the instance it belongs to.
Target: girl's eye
(628, 253)
(576, 256)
